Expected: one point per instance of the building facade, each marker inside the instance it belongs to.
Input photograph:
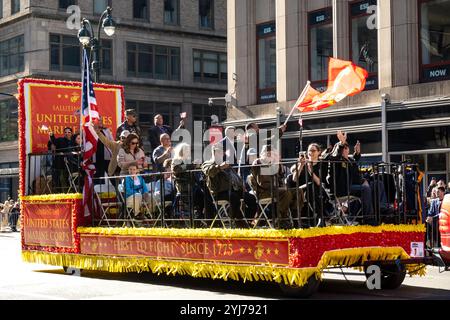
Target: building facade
(169, 54)
(276, 46)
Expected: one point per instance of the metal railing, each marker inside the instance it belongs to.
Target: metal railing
(337, 193)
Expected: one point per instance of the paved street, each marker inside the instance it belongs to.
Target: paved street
(20, 280)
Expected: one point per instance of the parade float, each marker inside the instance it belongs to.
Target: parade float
(56, 232)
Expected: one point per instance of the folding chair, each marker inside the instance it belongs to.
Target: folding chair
(73, 177)
(107, 199)
(341, 207)
(128, 211)
(222, 207)
(264, 204)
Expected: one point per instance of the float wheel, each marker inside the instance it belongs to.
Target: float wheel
(72, 271)
(392, 275)
(305, 291)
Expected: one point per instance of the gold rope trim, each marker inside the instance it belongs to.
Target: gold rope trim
(250, 233)
(52, 197)
(288, 276)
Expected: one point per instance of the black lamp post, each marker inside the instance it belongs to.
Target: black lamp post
(87, 38)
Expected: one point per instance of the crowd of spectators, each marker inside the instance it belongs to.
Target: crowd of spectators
(309, 185)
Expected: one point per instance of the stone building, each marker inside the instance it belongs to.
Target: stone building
(275, 46)
(169, 54)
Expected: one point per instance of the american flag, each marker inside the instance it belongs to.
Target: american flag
(90, 138)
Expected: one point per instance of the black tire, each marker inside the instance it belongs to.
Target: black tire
(73, 271)
(392, 276)
(305, 291)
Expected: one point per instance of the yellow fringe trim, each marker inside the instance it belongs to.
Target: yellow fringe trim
(250, 233)
(52, 197)
(288, 276)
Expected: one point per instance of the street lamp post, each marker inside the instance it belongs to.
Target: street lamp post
(87, 38)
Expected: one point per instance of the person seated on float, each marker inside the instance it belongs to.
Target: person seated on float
(135, 190)
(344, 178)
(308, 174)
(223, 184)
(162, 152)
(131, 154)
(185, 180)
(266, 180)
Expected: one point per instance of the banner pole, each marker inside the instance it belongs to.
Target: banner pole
(302, 96)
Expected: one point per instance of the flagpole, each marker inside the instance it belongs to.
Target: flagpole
(302, 96)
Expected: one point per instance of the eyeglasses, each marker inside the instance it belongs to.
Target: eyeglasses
(134, 143)
(313, 150)
(67, 132)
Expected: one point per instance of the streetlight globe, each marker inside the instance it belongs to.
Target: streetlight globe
(84, 35)
(109, 31)
(109, 25)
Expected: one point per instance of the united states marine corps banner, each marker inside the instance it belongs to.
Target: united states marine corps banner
(47, 224)
(54, 105)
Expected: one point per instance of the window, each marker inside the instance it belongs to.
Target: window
(140, 9)
(364, 40)
(100, 6)
(64, 4)
(11, 56)
(204, 112)
(419, 138)
(320, 46)
(65, 53)
(206, 13)
(267, 64)
(171, 11)
(151, 61)
(435, 39)
(210, 67)
(8, 120)
(148, 109)
(15, 6)
(106, 56)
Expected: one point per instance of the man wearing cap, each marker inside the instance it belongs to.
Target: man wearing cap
(130, 124)
(114, 146)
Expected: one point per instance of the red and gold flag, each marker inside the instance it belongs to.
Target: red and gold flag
(344, 79)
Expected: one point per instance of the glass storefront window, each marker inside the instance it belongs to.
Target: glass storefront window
(320, 43)
(267, 70)
(435, 39)
(364, 40)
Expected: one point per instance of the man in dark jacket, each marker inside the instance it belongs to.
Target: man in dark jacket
(63, 145)
(224, 183)
(343, 176)
(129, 124)
(158, 129)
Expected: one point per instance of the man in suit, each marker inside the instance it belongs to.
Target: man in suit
(432, 220)
(158, 129)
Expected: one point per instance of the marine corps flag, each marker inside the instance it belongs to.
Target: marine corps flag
(344, 79)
